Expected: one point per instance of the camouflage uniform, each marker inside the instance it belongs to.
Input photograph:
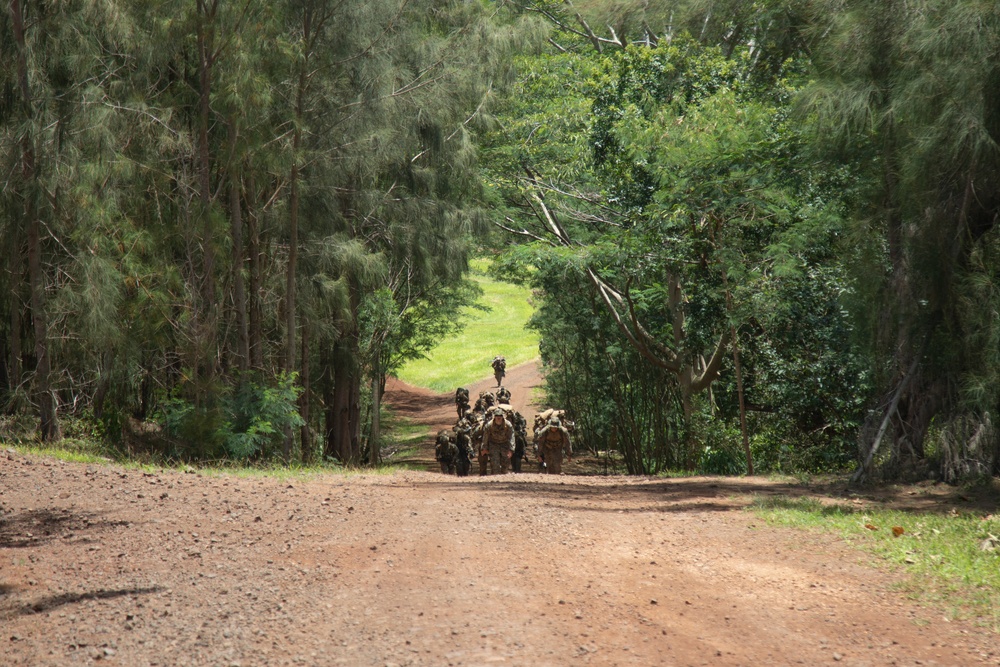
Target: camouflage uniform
(503, 395)
(520, 441)
(463, 442)
(476, 440)
(462, 401)
(499, 369)
(498, 441)
(552, 441)
(446, 452)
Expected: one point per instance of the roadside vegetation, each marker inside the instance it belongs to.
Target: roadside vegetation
(949, 558)
(757, 236)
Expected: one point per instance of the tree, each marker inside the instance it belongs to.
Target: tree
(913, 102)
(696, 195)
(49, 125)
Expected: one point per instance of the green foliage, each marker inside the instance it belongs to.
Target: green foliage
(942, 555)
(712, 194)
(722, 452)
(248, 421)
(721, 461)
(905, 94)
(174, 147)
(257, 416)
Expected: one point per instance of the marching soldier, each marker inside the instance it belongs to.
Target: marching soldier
(552, 441)
(446, 452)
(520, 441)
(498, 443)
(499, 365)
(463, 441)
(462, 401)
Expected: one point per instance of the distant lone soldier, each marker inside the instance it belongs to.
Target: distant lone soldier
(446, 452)
(498, 442)
(499, 368)
(462, 401)
(553, 441)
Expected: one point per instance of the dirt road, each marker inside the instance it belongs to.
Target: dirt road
(102, 563)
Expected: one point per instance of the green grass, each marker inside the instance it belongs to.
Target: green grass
(464, 357)
(940, 554)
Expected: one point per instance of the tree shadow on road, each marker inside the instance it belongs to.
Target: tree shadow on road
(51, 602)
(726, 494)
(32, 528)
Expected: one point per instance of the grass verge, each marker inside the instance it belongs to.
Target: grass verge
(949, 560)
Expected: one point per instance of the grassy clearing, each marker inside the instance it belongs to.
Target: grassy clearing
(951, 560)
(464, 357)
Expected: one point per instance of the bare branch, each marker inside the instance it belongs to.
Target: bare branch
(666, 352)
(711, 371)
(640, 347)
(523, 232)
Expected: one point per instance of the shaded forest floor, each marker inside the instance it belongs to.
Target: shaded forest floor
(104, 563)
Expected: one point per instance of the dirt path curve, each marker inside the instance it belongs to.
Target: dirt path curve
(132, 567)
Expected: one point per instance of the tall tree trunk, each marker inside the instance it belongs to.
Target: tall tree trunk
(239, 288)
(899, 329)
(738, 366)
(48, 422)
(346, 431)
(256, 331)
(293, 209)
(207, 322)
(48, 425)
(293, 251)
(15, 351)
(327, 374)
(304, 399)
(743, 404)
(375, 435)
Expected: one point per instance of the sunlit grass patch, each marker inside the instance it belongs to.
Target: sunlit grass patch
(464, 357)
(951, 560)
(66, 450)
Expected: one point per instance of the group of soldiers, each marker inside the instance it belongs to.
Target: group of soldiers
(496, 434)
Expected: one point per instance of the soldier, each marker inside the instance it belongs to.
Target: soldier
(489, 399)
(541, 419)
(476, 440)
(520, 441)
(552, 441)
(462, 401)
(499, 365)
(498, 442)
(446, 452)
(503, 395)
(463, 442)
